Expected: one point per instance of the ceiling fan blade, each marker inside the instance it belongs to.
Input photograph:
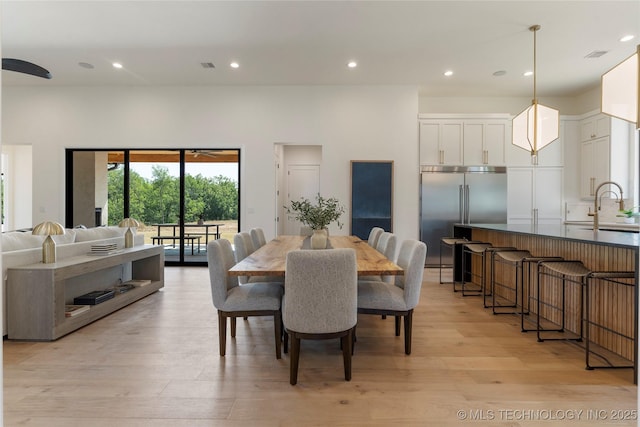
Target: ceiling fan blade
(26, 67)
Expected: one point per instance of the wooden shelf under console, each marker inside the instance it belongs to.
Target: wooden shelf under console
(37, 293)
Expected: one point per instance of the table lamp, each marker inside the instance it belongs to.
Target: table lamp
(48, 228)
(128, 235)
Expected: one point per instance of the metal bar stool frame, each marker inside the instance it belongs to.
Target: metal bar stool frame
(473, 249)
(572, 271)
(514, 259)
(491, 252)
(529, 262)
(450, 243)
(610, 277)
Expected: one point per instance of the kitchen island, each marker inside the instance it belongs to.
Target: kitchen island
(615, 306)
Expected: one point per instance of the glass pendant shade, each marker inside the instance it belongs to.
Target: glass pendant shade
(539, 125)
(621, 91)
(534, 130)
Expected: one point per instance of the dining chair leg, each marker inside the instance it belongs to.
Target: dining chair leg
(346, 353)
(233, 326)
(408, 320)
(222, 333)
(285, 340)
(295, 356)
(397, 326)
(277, 326)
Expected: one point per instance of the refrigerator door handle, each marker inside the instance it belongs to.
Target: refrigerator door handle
(466, 204)
(461, 207)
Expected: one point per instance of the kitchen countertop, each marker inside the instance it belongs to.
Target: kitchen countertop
(607, 225)
(579, 232)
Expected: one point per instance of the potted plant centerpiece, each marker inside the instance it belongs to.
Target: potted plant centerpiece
(629, 215)
(317, 216)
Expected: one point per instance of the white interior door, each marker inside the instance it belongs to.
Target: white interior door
(302, 181)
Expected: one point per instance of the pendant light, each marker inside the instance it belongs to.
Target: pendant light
(538, 125)
(621, 90)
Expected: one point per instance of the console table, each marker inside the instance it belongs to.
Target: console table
(37, 293)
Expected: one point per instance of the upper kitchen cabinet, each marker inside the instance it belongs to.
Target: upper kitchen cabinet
(605, 153)
(469, 140)
(595, 127)
(441, 142)
(484, 142)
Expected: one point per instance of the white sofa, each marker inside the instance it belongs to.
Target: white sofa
(22, 248)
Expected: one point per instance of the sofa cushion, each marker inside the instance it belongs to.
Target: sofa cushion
(15, 241)
(69, 236)
(85, 235)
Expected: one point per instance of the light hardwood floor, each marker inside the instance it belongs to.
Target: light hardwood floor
(156, 363)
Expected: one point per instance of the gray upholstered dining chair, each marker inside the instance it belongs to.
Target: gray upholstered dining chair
(233, 300)
(244, 247)
(374, 235)
(320, 301)
(386, 245)
(257, 237)
(399, 298)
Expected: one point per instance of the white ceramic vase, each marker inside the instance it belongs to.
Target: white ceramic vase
(319, 239)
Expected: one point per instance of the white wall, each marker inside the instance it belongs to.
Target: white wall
(17, 174)
(350, 122)
(581, 104)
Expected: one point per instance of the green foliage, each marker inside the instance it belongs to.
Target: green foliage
(157, 200)
(319, 215)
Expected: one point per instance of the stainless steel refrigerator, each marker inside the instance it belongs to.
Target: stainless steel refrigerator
(459, 195)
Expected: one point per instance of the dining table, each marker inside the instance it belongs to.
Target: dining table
(270, 259)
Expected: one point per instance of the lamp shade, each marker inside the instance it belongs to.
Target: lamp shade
(48, 228)
(621, 91)
(128, 235)
(129, 222)
(534, 130)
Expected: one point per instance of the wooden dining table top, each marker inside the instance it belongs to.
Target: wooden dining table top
(270, 259)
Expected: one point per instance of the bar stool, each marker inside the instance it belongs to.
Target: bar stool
(450, 244)
(517, 259)
(529, 286)
(596, 280)
(490, 254)
(509, 259)
(567, 271)
(469, 252)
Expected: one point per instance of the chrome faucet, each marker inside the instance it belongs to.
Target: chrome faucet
(596, 208)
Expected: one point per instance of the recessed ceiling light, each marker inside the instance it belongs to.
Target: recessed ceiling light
(500, 73)
(627, 38)
(86, 65)
(234, 65)
(117, 65)
(352, 64)
(448, 73)
(528, 73)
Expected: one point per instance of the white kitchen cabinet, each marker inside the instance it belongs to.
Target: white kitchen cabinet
(594, 165)
(484, 142)
(441, 142)
(605, 154)
(534, 192)
(595, 127)
(464, 141)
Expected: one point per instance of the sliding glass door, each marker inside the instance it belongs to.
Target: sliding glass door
(182, 198)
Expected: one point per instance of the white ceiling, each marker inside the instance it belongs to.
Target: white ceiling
(310, 42)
